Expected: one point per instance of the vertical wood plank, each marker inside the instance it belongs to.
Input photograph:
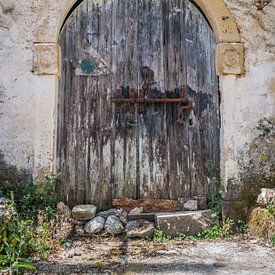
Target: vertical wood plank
(103, 154)
(193, 54)
(202, 92)
(179, 180)
(124, 77)
(100, 102)
(152, 125)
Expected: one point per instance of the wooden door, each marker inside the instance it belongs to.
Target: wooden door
(109, 150)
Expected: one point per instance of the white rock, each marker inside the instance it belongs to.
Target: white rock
(139, 229)
(191, 205)
(95, 225)
(187, 222)
(267, 196)
(113, 225)
(120, 213)
(84, 212)
(136, 211)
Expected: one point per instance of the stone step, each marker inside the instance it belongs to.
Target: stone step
(142, 216)
(186, 222)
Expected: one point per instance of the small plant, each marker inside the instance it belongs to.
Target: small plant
(29, 198)
(271, 209)
(33, 227)
(216, 192)
(15, 240)
(240, 226)
(217, 231)
(187, 237)
(273, 240)
(159, 236)
(214, 232)
(49, 233)
(228, 227)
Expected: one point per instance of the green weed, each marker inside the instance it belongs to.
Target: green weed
(271, 209)
(159, 236)
(240, 226)
(217, 231)
(33, 227)
(187, 237)
(29, 198)
(214, 232)
(215, 193)
(15, 240)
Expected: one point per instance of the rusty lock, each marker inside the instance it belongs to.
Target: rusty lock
(187, 106)
(141, 100)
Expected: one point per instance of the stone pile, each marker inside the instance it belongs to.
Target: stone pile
(113, 221)
(267, 196)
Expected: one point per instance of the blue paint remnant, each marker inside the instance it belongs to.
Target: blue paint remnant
(88, 65)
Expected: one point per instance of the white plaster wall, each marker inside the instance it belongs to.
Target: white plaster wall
(28, 101)
(246, 100)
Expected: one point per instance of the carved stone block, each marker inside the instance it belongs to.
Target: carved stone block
(46, 59)
(230, 59)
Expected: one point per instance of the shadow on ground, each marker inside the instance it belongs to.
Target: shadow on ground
(122, 256)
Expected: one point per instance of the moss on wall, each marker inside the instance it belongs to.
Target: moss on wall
(13, 174)
(257, 171)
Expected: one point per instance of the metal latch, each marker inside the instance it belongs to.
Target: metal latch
(141, 100)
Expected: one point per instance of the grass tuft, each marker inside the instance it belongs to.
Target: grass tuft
(262, 223)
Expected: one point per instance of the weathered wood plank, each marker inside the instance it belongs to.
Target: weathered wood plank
(199, 69)
(99, 187)
(179, 184)
(148, 205)
(152, 136)
(125, 125)
(100, 120)
(104, 154)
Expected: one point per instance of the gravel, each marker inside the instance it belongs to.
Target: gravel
(106, 255)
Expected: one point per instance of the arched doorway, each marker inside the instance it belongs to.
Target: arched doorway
(138, 112)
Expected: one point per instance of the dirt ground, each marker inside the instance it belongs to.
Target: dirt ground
(239, 255)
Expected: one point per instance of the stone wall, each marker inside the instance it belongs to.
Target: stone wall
(248, 110)
(28, 101)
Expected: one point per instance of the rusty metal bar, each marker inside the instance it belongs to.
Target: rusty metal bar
(133, 99)
(148, 100)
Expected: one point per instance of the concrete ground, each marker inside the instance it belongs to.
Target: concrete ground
(103, 255)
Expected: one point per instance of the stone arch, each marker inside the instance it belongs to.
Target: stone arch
(229, 51)
(216, 12)
(221, 20)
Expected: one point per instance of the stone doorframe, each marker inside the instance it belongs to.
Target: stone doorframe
(229, 49)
